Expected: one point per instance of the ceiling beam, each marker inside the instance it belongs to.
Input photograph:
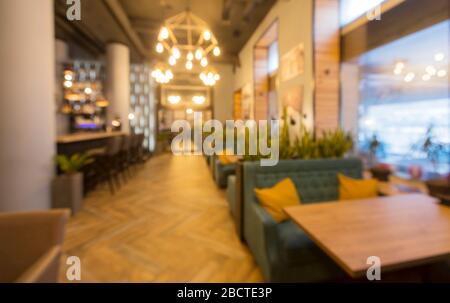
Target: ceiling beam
(121, 17)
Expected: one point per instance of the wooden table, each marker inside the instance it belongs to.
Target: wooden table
(403, 231)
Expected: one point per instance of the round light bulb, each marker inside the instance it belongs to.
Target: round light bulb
(164, 33)
(204, 62)
(439, 57)
(68, 84)
(159, 47)
(172, 60)
(176, 53)
(442, 73)
(198, 53)
(189, 65)
(190, 56)
(431, 70)
(216, 51)
(68, 77)
(189, 111)
(207, 35)
(88, 90)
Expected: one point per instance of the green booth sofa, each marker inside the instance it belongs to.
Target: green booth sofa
(222, 172)
(282, 250)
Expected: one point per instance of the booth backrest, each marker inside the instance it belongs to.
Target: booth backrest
(315, 180)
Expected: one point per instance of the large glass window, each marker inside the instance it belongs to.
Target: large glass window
(353, 9)
(404, 102)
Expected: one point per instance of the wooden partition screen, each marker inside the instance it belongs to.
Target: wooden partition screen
(326, 64)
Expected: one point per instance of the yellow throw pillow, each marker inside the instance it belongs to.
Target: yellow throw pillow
(274, 199)
(350, 189)
(227, 159)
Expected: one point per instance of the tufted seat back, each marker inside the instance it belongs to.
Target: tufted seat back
(315, 180)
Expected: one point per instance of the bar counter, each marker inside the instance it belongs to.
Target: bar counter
(82, 142)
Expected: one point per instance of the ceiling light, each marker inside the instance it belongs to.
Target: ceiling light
(442, 73)
(189, 65)
(130, 116)
(207, 35)
(431, 70)
(426, 77)
(164, 33)
(204, 62)
(159, 48)
(199, 100)
(189, 111)
(176, 53)
(409, 77)
(439, 57)
(199, 53)
(400, 65)
(190, 56)
(172, 60)
(174, 99)
(68, 77)
(216, 51)
(88, 90)
(68, 84)
(397, 71)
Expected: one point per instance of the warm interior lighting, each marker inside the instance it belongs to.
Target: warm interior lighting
(68, 77)
(189, 111)
(164, 33)
(176, 53)
(68, 84)
(162, 74)
(172, 60)
(131, 116)
(88, 90)
(207, 35)
(209, 77)
(204, 62)
(189, 65)
(199, 53)
(216, 51)
(199, 100)
(190, 56)
(159, 48)
(174, 99)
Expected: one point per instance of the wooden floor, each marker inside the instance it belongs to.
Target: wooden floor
(169, 223)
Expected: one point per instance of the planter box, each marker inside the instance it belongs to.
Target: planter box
(67, 192)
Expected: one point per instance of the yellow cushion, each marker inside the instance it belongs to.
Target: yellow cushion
(227, 159)
(350, 189)
(274, 199)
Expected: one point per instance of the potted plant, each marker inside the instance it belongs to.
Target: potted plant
(67, 188)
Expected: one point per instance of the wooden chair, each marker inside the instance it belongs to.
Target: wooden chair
(31, 245)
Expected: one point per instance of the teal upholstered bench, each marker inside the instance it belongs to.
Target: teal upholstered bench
(222, 171)
(231, 194)
(283, 251)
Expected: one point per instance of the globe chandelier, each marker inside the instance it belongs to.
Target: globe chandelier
(188, 39)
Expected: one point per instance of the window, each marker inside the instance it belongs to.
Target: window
(404, 100)
(273, 57)
(353, 9)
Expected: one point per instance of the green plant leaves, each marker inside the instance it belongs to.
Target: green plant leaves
(74, 163)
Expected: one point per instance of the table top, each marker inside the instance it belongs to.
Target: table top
(85, 136)
(403, 231)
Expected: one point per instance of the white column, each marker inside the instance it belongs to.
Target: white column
(62, 57)
(118, 83)
(27, 111)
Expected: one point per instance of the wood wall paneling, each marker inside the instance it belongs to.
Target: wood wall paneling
(326, 62)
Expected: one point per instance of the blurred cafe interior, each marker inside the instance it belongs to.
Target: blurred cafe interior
(90, 95)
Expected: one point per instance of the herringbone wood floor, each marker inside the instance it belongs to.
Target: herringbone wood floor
(169, 223)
